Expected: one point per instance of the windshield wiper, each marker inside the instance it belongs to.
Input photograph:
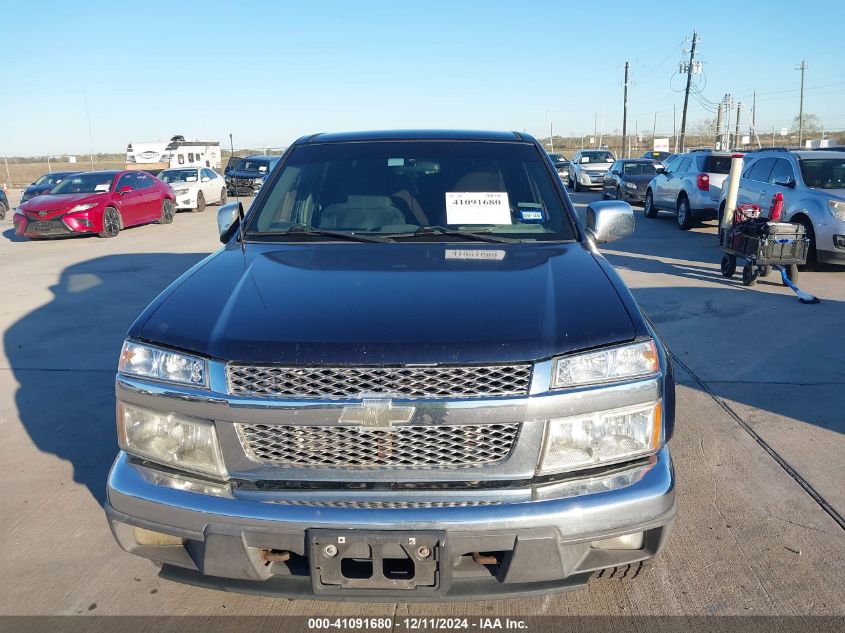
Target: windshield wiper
(301, 229)
(480, 236)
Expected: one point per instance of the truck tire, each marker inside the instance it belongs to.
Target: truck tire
(623, 572)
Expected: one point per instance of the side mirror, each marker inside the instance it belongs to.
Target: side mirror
(229, 217)
(788, 182)
(616, 172)
(205, 179)
(124, 189)
(609, 221)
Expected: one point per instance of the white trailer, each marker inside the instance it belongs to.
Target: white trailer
(167, 154)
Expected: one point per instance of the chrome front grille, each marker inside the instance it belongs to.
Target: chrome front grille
(403, 447)
(440, 381)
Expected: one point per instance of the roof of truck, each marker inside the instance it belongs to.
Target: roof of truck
(414, 135)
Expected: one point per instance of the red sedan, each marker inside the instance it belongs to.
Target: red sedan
(102, 202)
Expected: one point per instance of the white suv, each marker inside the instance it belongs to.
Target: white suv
(589, 167)
(690, 186)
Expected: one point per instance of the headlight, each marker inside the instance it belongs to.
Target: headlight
(169, 438)
(180, 192)
(160, 364)
(83, 207)
(614, 363)
(602, 437)
(630, 185)
(837, 208)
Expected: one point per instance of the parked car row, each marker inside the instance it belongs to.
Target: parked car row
(694, 186)
(104, 202)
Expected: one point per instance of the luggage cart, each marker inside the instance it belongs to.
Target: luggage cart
(762, 244)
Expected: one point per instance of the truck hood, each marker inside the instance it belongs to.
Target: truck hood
(355, 303)
(238, 173)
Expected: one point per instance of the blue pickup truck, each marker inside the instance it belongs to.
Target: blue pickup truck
(408, 374)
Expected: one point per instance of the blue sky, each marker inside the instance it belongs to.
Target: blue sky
(269, 72)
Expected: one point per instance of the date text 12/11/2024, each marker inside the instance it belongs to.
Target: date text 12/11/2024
(417, 624)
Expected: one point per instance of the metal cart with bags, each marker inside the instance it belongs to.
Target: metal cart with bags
(762, 244)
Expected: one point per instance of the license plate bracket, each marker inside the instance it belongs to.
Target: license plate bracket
(346, 561)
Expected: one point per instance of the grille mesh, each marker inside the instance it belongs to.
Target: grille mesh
(386, 505)
(355, 447)
(441, 381)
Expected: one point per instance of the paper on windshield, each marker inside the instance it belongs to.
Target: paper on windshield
(102, 187)
(466, 207)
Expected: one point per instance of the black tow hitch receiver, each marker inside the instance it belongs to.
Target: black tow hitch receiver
(344, 560)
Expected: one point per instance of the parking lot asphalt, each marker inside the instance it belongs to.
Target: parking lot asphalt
(758, 447)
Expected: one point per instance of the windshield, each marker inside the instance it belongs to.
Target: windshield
(400, 187)
(178, 175)
(262, 166)
(85, 183)
(597, 157)
(639, 169)
(823, 173)
(50, 179)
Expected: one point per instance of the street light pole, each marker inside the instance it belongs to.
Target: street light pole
(551, 133)
(625, 114)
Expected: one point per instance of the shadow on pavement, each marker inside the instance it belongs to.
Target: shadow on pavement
(64, 356)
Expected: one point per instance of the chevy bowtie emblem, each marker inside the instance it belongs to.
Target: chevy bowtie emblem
(376, 413)
(42, 213)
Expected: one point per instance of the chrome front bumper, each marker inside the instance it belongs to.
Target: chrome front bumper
(545, 543)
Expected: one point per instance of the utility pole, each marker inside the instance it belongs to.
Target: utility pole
(686, 93)
(8, 177)
(718, 126)
(674, 130)
(754, 114)
(654, 130)
(551, 134)
(601, 132)
(595, 126)
(736, 142)
(802, 68)
(625, 114)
